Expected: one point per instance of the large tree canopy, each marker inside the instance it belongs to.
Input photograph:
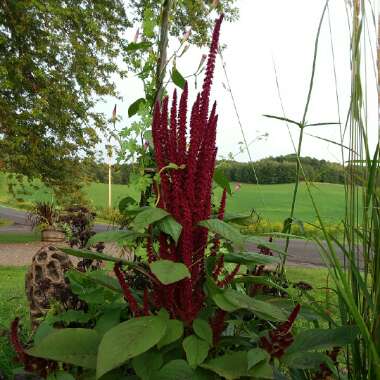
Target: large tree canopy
(56, 57)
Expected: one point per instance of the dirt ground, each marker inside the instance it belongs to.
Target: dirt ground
(21, 254)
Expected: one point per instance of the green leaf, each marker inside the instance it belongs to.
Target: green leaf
(175, 370)
(87, 254)
(133, 46)
(174, 331)
(125, 202)
(72, 346)
(249, 258)
(221, 180)
(305, 360)
(60, 375)
(240, 218)
(171, 227)
(148, 23)
(255, 356)
(109, 319)
(127, 340)
(147, 364)
(230, 366)
(262, 309)
(323, 339)
(135, 106)
(149, 216)
(224, 229)
(178, 79)
(113, 236)
(169, 272)
(196, 350)
(203, 330)
(222, 302)
(43, 330)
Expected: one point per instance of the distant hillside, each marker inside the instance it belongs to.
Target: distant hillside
(282, 169)
(271, 170)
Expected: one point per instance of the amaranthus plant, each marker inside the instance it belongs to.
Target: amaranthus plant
(185, 313)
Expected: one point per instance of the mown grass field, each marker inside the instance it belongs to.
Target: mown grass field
(271, 202)
(13, 303)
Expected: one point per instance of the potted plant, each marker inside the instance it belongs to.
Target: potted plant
(45, 215)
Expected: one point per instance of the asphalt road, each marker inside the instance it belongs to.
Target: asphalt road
(301, 252)
(21, 222)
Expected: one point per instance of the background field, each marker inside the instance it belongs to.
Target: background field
(270, 201)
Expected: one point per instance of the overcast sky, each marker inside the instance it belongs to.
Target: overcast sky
(280, 33)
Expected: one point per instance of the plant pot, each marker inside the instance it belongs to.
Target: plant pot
(52, 236)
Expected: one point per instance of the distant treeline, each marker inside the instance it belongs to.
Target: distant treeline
(282, 169)
(271, 170)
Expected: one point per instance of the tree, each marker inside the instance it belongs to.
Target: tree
(56, 58)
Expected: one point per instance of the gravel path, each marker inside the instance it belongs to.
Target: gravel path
(21, 254)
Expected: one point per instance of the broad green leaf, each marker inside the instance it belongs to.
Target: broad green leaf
(60, 375)
(305, 360)
(221, 180)
(109, 319)
(240, 218)
(72, 346)
(323, 339)
(125, 202)
(249, 258)
(171, 227)
(224, 229)
(230, 366)
(178, 79)
(203, 330)
(169, 272)
(149, 216)
(176, 370)
(263, 371)
(127, 340)
(147, 364)
(133, 46)
(196, 350)
(43, 330)
(255, 356)
(262, 309)
(222, 302)
(135, 106)
(174, 331)
(113, 236)
(87, 254)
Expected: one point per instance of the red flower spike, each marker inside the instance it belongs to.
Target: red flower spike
(124, 286)
(280, 338)
(217, 325)
(146, 302)
(222, 206)
(182, 126)
(186, 193)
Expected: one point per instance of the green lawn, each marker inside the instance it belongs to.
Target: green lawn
(272, 202)
(16, 237)
(12, 304)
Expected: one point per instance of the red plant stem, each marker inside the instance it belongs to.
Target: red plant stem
(124, 286)
(229, 278)
(15, 341)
